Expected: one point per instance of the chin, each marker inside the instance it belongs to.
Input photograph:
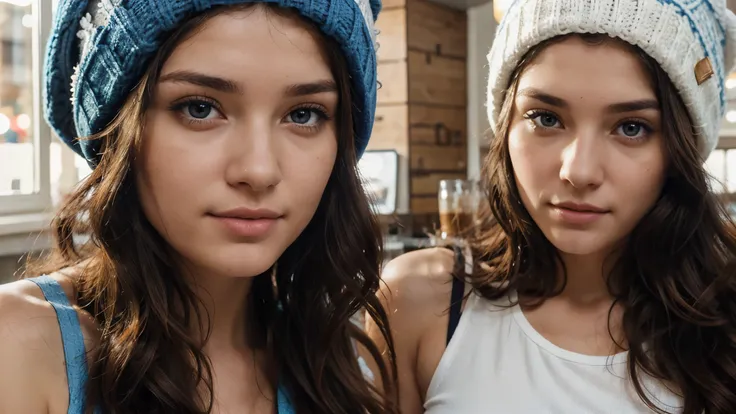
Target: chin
(237, 262)
(577, 242)
(237, 269)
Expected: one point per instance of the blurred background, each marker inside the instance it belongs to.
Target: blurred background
(422, 163)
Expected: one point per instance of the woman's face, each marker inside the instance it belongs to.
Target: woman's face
(240, 141)
(585, 144)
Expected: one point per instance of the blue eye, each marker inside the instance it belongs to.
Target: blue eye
(199, 110)
(546, 120)
(196, 110)
(310, 117)
(632, 129)
(304, 116)
(543, 119)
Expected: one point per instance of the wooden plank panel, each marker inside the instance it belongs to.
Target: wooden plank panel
(727, 142)
(423, 205)
(429, 184)
(387, 4)
(438, 158)
(437, 80)
(392, 36)
(426, 122)
(390, 131)
(436, 28)
(394, 83)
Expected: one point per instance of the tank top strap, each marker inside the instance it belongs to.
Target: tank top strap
(72, 340)
(283, 403)
(459, 278)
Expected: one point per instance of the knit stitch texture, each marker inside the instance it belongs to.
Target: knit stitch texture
(676, 33)
(83, 96)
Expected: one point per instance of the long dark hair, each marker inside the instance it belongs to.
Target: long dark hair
(148, 360)
(675, 279)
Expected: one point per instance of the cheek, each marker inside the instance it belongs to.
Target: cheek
(156, 187)
(169, 174)
(640, 185)
(306, 176)
(533, 165)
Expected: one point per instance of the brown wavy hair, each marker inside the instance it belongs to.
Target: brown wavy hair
(148, 360)
(675, 280)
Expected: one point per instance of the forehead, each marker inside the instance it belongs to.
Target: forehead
(254, 43)
(572, 69)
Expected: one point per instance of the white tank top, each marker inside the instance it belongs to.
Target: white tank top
(497, 363)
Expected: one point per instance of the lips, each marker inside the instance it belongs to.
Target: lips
(247, 223)
(244, 213)
(581, 207)
(578, 214)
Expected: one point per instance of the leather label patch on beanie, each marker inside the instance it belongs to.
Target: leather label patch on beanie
(703, 70)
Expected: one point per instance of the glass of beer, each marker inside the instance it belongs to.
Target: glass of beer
(457, 206)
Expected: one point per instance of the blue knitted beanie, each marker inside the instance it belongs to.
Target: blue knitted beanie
(95, 59)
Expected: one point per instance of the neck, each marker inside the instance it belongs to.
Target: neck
(586, 278)
(225, 305)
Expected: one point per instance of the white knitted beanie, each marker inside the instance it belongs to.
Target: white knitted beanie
(694, 41)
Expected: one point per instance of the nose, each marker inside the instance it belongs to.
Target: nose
(582, 162)
(253, 157)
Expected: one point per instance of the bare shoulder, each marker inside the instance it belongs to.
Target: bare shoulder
(415, 289)
(27, 320)
(416, 295)
(31, 352)
(31, 349)
(419, 280)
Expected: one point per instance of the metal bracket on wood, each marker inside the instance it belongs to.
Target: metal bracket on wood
(439, 128)
(419, 170)
(443, 136)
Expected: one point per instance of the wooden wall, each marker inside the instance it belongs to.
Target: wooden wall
(422, 104)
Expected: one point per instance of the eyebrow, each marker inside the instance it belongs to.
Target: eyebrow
(633, 106)
(312, 88)
(620, 107)
(230, 86)
(200, 79)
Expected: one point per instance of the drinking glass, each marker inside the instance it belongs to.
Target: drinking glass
(458, 200)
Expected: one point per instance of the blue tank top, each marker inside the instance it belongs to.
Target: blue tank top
(75, 352)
